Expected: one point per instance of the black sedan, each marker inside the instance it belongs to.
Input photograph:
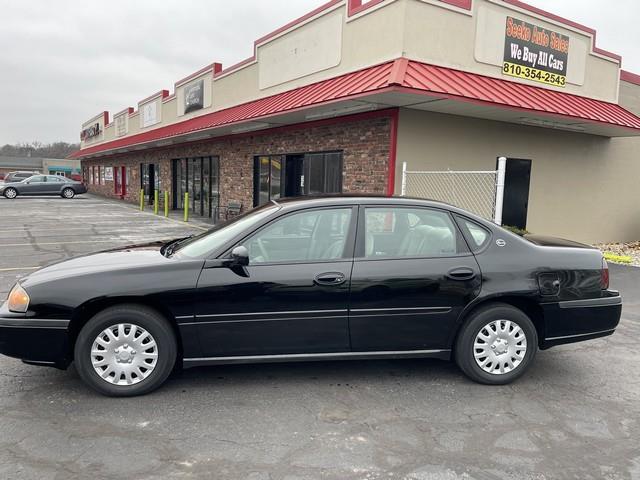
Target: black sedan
(315, 279)
(43, 185)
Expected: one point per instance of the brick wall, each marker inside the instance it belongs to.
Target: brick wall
(365, 144)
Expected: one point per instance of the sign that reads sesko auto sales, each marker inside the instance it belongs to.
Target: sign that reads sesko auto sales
(535, 53)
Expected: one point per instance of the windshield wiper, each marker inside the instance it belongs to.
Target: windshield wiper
(171, 246)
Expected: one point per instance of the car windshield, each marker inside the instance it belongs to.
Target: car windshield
(220, 234)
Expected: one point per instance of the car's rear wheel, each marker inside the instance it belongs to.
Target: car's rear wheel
(68, 193)
(497, 344)
(10, 193)
(125, 351)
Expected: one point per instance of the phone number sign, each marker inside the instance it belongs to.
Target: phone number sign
(535, 53)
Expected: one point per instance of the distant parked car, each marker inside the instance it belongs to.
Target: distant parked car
(18, 176)
(43, 185)
(1, 176)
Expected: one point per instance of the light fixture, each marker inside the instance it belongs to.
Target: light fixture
(250, 127)
(539, 122)
(342, 111)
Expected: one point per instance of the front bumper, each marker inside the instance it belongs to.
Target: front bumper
(579, 320)
(38, 341)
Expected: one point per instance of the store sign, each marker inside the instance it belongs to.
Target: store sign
(108, 174)
(194, 96)
(149, 114)
(535, 53)
(90, 132)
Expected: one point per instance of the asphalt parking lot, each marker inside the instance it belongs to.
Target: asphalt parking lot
(575, 415)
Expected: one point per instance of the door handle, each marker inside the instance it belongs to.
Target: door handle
(330, 278)
(461, 273)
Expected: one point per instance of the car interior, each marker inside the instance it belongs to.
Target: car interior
(321, 235)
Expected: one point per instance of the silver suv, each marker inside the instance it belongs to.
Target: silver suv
(18, 176)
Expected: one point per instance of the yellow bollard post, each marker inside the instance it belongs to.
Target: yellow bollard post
(166, 203)
(141, 199)
(155, 202)
(186, 206)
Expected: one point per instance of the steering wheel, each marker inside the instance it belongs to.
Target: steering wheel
(263, 251)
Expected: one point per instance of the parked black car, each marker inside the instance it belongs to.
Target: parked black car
(314, 279)
(43, 185)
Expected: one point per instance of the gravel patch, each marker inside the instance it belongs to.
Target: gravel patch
(627, 251)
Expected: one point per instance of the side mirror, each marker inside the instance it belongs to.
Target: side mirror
(240, 256)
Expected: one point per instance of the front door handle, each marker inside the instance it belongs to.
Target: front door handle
(461, 273)
(330, 278)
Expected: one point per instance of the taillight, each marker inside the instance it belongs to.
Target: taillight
(604, 275)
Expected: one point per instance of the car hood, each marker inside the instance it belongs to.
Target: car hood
(122, 258)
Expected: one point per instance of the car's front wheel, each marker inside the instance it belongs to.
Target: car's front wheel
(10, 193)
(497, 344)
(68, 193)
(125, 350)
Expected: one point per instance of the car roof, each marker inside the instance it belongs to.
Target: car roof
(356, 199)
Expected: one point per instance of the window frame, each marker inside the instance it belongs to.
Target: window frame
(360, 250)
(347, 254)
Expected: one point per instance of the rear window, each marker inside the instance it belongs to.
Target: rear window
(477, 235)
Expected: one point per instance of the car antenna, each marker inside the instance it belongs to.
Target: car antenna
(276, 203)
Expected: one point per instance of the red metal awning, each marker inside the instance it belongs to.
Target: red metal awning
(399, 77)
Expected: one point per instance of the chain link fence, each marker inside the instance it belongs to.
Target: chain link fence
(475, 191)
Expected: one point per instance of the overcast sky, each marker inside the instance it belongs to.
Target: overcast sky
(63, 61)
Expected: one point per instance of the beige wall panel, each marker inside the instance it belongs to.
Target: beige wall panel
(630, 97)
(169, 111)
(577, 180)
(134, 123)
(312, 48)
(366, 41)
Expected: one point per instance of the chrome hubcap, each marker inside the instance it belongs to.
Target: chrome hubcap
(500, 347)
(11, 193)
(68, 193)
(124, 354)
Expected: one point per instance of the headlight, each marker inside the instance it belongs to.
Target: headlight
(18, 299)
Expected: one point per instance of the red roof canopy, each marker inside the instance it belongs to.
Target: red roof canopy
(402, 76)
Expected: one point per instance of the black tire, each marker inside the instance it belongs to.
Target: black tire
(144, 317)
(479, 320)
(10, 193)
(68, 193)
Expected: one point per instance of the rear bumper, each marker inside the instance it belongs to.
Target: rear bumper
(37, 341)
(579, 320)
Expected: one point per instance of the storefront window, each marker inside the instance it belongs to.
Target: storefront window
(279, 176)
(199, 177)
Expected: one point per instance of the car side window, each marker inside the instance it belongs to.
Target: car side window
(410, 232)
(478, 235)
(308, 236)
(38, 178)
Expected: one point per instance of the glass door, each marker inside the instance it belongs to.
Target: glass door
(148, 181)
(268, 176)
(200, 178)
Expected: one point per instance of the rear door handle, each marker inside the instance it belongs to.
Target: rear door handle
(330, 278)
(461, 273)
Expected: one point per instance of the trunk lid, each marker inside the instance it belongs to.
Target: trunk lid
(547, 241)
